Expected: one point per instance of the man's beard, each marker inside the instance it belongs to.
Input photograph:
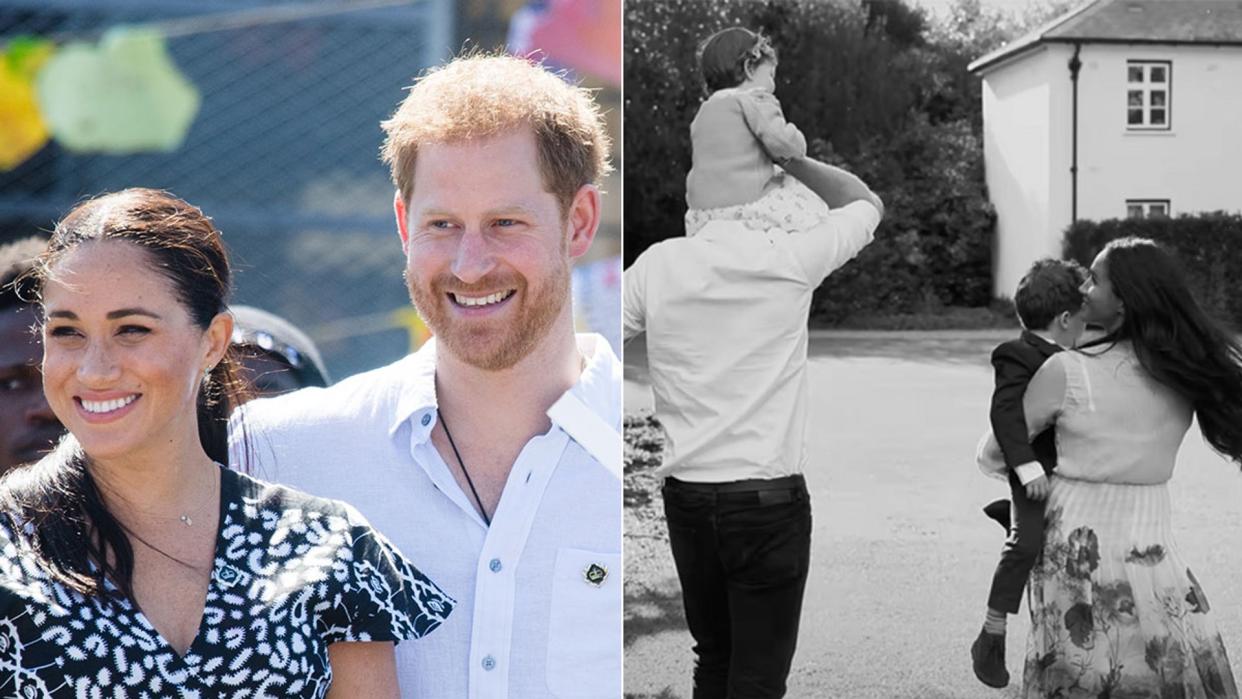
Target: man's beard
(486, 344)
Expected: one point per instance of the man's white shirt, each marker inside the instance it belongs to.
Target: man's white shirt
(533, 619)
(725, 313)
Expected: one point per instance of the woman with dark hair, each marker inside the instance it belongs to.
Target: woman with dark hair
(1115, 609)
(133, 563)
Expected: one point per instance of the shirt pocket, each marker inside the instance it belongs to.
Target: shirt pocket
(584, 634)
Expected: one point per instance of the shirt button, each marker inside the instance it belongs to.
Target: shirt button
(489, 663)
(495, 565)
(426, 419)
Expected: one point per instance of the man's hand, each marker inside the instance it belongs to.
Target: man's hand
(1038, 488)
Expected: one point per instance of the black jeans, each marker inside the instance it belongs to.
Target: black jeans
(1026, 540)
(742, 550)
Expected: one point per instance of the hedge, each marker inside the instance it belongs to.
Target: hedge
(1208, 246)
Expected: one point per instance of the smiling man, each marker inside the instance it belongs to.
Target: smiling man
(28, 428)
(491, 455)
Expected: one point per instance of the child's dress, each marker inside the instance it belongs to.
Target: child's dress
(738, 135)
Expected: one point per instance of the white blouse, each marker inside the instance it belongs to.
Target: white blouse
(1114, 422)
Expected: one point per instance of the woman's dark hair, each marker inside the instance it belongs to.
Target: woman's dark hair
(56, 501)
(726, 56)
(1176, 342)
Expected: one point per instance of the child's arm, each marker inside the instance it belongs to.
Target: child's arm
(1009, 424)
(781, 139)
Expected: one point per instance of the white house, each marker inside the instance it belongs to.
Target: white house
(1118, 108)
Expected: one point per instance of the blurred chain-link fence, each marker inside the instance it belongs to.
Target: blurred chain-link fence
(283, 153)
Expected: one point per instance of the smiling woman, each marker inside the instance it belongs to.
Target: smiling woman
(134, 520)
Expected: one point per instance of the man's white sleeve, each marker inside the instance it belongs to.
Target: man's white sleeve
(634, 294)
(251, 447)
(845, 232)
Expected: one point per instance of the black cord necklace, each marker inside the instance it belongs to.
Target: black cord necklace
(469, 482)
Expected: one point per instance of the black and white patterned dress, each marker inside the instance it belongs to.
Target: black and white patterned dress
(293, 573)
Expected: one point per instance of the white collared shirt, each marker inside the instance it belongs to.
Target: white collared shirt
(725, 314)
(529, 622)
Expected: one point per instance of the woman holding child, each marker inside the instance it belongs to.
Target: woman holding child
(133, 563)
(1116, 611)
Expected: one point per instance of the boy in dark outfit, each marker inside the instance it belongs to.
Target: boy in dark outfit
(1049, 305)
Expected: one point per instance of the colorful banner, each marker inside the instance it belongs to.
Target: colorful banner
(582, 35)
(124, 96)
(22, 129)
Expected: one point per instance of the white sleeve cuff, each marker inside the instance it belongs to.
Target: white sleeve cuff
(1028, 471)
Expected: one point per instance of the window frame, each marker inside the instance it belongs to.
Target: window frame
(1146, 206)
(1146, 89)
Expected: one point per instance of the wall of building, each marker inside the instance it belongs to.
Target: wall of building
(1026, 158)
(1194, 164)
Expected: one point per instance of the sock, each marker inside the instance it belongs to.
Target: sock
(995, 622)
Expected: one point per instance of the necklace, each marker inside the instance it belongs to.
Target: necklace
(211, 490)
(464, 472)
(186, 517)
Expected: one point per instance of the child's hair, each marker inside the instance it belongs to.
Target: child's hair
(728, 55)
(1049, 288)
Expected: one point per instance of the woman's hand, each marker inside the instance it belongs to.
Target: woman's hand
(367, 670)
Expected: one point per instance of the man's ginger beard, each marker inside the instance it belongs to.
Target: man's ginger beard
(484, 343)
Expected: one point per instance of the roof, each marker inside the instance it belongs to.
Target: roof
(1212, 22)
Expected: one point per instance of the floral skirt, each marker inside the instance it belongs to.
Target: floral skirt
(788, 206)
(1115, 611)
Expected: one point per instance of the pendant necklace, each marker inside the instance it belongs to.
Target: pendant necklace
(469, 481)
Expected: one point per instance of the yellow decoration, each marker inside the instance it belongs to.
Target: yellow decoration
(409, 319)
(22, 130)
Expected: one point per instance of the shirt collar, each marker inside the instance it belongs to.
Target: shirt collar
(721, 230)
(590, 411)
(1035, 337)
(416, 402)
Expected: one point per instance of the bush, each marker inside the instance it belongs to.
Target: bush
(1206, 245)
(934, 248)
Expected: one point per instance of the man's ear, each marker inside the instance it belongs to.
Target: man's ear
(583, 220)
(403, 230)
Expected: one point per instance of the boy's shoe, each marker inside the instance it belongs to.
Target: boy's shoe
(988, 656)
(999, 512)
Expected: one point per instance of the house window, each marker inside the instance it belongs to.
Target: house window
(1147, 208)
(1148, 87)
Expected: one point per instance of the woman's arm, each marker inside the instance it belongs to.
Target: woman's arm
(1045, 395)
(363, 670)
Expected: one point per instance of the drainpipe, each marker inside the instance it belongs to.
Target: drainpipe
(1074, 66)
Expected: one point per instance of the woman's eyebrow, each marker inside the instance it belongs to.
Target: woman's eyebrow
(112, 315)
